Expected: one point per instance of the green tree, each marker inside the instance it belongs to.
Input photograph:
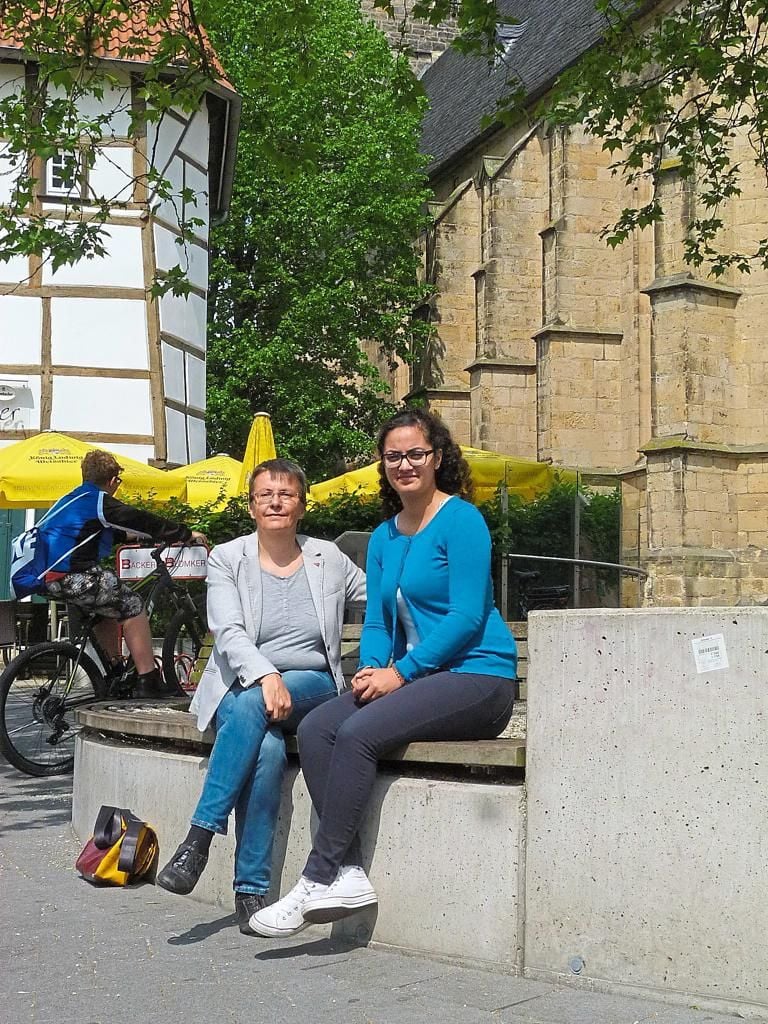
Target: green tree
(317, 254)
(682, 82)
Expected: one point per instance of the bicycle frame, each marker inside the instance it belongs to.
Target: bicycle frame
(158, 581)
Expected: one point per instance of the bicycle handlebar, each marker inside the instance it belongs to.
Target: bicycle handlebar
(160, 563)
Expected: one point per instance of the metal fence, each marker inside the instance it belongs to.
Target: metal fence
(576, 563)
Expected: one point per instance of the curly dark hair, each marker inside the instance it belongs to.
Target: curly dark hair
(452, 475)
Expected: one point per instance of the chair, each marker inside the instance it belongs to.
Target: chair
(354, 544)
(8, 636)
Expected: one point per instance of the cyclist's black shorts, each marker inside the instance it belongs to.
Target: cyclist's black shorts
(97, 590)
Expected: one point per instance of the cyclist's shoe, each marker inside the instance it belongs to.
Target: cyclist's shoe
(247, 904)
(182, 872)
(149, 685)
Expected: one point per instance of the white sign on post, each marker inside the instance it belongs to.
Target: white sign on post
(186, 563)
(709, 653)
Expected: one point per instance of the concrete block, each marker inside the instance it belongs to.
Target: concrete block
(647, 802)
(445, 857)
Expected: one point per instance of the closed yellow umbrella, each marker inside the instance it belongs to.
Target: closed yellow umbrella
(35, 472)
(260, 447)
(206, 480)
(522, 476)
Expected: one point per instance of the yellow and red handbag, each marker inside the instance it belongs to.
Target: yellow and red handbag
(121, 850)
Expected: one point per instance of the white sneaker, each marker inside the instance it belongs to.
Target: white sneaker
(349, 892)
(285, 917)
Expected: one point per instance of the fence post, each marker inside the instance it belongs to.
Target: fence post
(504, 583)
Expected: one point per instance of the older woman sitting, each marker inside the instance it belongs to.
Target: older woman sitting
(275, 607)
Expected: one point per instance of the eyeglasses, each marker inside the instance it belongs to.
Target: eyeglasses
(414, 456)
(118, 480)
(267, 497)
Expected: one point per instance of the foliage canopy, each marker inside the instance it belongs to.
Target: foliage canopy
(317, 254)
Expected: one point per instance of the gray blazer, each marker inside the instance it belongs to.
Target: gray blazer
(234, 614)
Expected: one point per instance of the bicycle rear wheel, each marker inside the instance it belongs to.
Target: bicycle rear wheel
(39, 691)
(181, 647)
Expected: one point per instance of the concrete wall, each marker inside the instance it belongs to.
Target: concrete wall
(444, 857)
(634, 858)
(647, 804)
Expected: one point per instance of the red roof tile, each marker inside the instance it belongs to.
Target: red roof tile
(134, 25)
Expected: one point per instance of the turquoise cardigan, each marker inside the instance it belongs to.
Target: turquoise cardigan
(444, 574)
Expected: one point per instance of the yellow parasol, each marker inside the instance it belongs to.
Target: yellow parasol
(260, 447)
(522, 476)
(206, 480)
(35, 472)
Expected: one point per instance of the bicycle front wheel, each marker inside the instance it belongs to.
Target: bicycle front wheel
(181, 647)
(39, 691)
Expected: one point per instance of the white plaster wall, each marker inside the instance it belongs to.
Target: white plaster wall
(11, 79)
(196, 438)
(162, 140)
(15, 269)
(195, 382)
(103, 404)
(11, 84)
(648, 801)
(140, 452)
(172, 209)
(9, 168)
(21, 323)
(176, 433)
(28, 418)
(111, 176)
(198, 182)
(184, 317)
(195, 141)
(99, 332)
(193, 259)
(121, 267)
(116, 101)
(173, 373)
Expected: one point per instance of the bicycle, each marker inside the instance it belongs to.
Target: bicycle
(531, 599)
(46, 682)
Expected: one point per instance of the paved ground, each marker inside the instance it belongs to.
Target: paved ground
(73, 954)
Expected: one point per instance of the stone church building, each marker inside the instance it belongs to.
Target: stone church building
(553, 346)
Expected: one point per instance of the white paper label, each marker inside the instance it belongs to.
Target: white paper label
(709, 653)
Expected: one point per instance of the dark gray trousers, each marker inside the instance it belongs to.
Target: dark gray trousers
(341, 741)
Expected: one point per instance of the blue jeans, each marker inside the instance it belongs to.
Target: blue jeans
(245, 771)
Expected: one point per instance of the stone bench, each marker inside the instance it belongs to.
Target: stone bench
(441, 839)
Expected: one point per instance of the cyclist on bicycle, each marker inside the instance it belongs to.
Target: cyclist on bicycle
(79, 536)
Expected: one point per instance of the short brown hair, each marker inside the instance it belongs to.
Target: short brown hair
(99, 467)
(281, 467)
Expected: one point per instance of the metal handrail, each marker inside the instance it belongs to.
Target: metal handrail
(630, 570)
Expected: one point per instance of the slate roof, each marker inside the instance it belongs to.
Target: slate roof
(463, 89)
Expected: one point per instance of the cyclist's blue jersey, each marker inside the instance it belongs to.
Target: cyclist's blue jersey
(80, 529)
(75, 522)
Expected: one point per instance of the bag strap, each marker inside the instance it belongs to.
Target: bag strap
(130, 845)
(68, 553)
(58, 507)
(108, 827)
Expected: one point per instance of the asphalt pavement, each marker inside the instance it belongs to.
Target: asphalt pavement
(74, 954)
